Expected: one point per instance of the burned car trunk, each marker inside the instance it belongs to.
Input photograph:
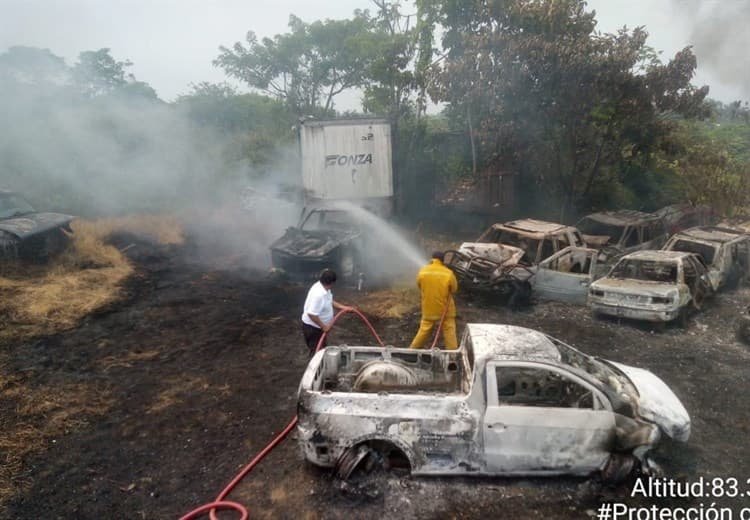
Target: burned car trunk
(28, 235)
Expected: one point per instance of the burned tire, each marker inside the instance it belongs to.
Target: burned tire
(365, 458)
(683, 318)
(697, 300)
(521, 295)
(619, 469)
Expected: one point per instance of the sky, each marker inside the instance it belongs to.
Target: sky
(173, 42)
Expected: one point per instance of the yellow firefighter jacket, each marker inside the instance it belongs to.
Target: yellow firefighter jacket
(437, 283)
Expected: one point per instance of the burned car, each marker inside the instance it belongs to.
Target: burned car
(29, 235)
(657, 286)
(725, 251)
(501, 261)
(324, 238)
(616, 233)
(508, 401)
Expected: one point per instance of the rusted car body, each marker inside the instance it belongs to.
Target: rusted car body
(725, 251)
(324, 238)
(616, 233)
(509, 401)
(29, 235)
(657, 286)
(503, 259)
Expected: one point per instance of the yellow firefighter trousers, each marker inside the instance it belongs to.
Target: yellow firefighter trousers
(424, 334)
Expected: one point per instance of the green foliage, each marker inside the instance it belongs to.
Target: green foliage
(554, 100)
(712, 164)
(307, 67)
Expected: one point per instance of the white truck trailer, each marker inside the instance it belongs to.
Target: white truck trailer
(347, 160)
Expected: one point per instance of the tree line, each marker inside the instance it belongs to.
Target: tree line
(583, 120)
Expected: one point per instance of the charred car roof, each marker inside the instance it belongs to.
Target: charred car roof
(529, 226)
(712, 234)
(622, 217)
(26, 221)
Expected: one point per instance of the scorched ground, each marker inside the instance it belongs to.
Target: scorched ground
(194, 371)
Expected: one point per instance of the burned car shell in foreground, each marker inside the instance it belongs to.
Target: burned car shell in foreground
(725, 251)
(658, 286)
(325, 238)
(26, 234)
(509, 401)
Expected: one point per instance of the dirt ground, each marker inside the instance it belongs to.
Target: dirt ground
(196, 369)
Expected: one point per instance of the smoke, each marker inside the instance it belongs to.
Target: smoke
(720, 38)
(121, 154)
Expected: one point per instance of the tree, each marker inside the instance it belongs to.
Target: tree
(307, 67)
(32, 66)
(562, 105)
(710, 172)
(97, 73)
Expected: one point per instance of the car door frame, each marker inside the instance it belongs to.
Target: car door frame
(578, 440)
(551, 284)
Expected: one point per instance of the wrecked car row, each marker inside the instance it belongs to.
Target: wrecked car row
(508, 401)
(527, 258)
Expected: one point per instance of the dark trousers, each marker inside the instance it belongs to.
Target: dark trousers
(312, 336)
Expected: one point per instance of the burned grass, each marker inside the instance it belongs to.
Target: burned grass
(38, 300)
(41, 415)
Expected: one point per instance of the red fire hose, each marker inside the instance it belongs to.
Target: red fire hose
(220, 503)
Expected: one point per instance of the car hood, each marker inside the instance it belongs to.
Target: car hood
(30, 224)
(312, 243)
(628, 286)
(657, 403)
(501, 254)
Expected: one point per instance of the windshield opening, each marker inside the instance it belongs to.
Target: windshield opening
(646, 270)
(328, 220)
(707, 252)
(589, 226)
(529, 246)
(602, 372)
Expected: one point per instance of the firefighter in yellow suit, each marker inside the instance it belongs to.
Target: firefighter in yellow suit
(437, 284)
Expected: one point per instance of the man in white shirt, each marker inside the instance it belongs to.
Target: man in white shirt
(317, 314)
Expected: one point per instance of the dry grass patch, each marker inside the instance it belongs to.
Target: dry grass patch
(395, 302)
(156, 228)
(43, 300)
